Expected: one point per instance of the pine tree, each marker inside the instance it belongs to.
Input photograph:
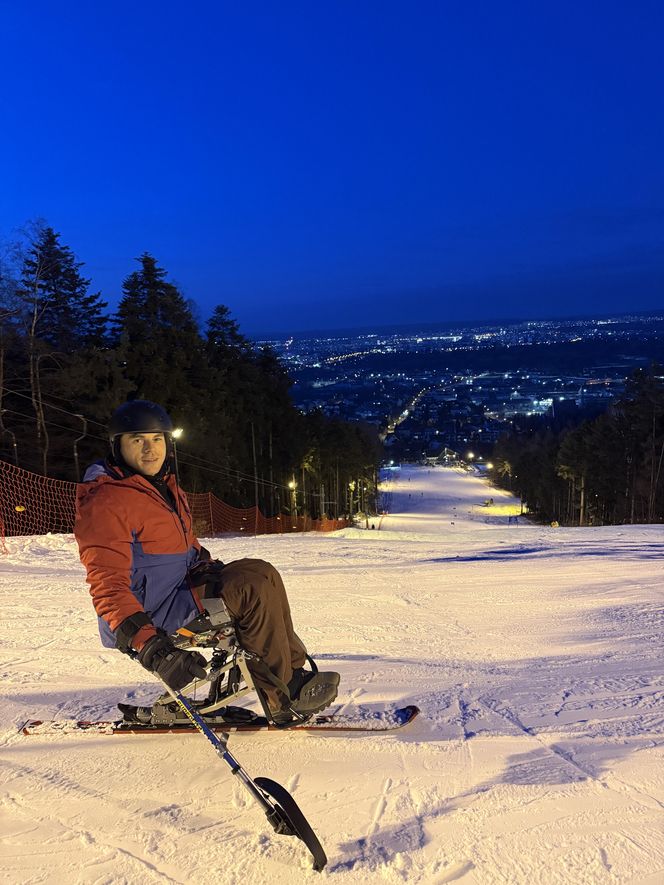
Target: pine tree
(163, 352)
(60, 318)
(157, 332)
(236, 393)
(641, 413)
(63, 315)
(224, 336)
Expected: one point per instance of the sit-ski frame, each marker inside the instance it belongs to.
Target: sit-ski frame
(212, 629)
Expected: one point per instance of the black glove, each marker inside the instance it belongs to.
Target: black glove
(205, 571)
(176, 667)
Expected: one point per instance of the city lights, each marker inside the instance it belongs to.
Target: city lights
(424, 390)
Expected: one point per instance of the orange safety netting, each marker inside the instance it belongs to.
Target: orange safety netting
(35, 505)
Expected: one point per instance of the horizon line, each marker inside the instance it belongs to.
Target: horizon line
(451, 324)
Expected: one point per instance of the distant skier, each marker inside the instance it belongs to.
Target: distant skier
(148, 572)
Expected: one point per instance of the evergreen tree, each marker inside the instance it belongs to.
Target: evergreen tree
(277, 426)
(60, 318)
(574, 464)
(606, 470)
(164, 359)
(254, 412)
(158, 337)
(224, 336)
(62, 313)
(244, 438)
(236, 387)
(641, 414)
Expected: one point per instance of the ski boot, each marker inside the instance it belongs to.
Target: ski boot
(310, 692)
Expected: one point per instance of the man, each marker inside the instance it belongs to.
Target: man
(143, 562)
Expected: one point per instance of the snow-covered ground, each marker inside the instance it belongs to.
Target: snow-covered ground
(535, 654)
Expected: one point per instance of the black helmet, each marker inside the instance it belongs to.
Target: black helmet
(138, 416)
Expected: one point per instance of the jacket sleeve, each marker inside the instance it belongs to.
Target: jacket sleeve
(104, 535)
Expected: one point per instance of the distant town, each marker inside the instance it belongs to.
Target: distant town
(432, 391)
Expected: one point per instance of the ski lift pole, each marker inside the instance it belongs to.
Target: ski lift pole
(284, 815)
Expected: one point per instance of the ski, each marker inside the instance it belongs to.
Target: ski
(361, 720)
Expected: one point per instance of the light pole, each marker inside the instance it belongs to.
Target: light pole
(176, 434)
(292, 485)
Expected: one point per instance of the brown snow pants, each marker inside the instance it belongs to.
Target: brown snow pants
(256, 599)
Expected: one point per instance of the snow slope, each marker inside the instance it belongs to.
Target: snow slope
(535, 654)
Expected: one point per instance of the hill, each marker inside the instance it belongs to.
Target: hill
(533, 652)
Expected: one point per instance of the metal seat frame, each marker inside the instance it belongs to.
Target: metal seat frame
(229, 675)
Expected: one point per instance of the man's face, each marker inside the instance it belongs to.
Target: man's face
(144, 452)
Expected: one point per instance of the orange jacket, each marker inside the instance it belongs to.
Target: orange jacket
(136, 549)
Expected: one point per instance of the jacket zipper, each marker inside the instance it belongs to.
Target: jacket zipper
(174, 510)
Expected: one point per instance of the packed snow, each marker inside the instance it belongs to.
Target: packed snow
(534, 653)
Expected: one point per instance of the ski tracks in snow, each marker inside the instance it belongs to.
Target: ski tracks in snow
(109, 834)
(90, 849)
(534, 654)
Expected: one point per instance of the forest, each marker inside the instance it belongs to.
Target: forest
(66, 362)
(603, 471)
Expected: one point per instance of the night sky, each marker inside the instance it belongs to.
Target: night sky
(350, 163)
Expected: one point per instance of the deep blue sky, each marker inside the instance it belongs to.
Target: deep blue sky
(324, 165)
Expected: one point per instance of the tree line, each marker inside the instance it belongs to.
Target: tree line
(66, 363)
(604, 471)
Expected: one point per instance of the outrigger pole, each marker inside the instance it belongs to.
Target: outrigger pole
(281, 810)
